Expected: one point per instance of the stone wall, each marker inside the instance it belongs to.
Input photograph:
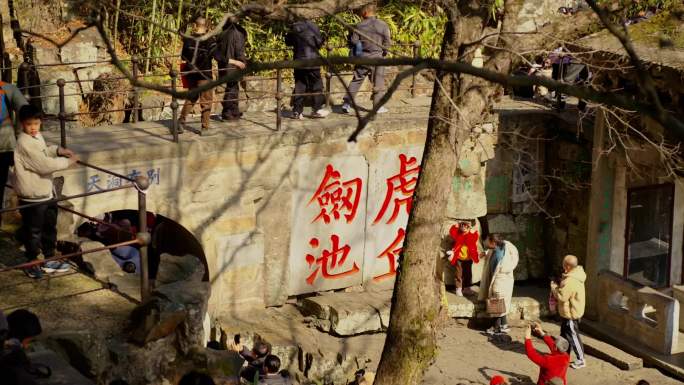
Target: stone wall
(538, 169)
(264, 205)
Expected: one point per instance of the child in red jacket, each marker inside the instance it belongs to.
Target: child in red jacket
(552, 365)
(463, 254)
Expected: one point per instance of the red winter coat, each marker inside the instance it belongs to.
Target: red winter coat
(551, 365)
(468, 240)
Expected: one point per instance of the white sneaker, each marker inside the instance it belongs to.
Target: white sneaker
(56, 267)
(322, 113)
(504, 329)
(382, 110)
(578, 364)
(459, 292)
(346, 108)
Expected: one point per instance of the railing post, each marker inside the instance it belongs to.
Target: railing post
(175, 129)
(141, 184)
(135, 62)
(416, 55)
(279, 97)
(62, 114)
(24, 78)
(328, 78)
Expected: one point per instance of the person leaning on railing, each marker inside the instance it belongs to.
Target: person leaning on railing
(11, 99)
(34, 164)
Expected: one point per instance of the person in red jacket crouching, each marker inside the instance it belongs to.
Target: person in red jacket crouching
(463, 254)
(552, 365)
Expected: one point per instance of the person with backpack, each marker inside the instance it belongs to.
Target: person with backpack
(197, 57)
(305, 39)
(369, 39)
(230, 56)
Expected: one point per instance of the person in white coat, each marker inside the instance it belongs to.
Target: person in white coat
(497, 280)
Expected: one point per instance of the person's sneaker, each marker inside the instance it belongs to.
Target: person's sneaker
(578, 364)
(56, 267)
(382, 110)
(33, 272)
(322, 113)
(346, 108)
(492, 330)
(504, 329)
(297, 116)
(468, 291)
(459, 292)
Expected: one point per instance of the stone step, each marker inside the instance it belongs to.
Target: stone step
(348, 314)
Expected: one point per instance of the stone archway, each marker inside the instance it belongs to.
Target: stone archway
(168, 237)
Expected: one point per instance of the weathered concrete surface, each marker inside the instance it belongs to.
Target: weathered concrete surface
(62, 373)
(602, 350)
(671, 364)
(306, 352)
(346, 314)
(468, 356)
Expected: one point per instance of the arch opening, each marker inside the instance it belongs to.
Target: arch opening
(167, 237)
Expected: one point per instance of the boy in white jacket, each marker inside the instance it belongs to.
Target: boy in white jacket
(34, 164)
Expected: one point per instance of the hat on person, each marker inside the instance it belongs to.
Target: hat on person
(562, 344)
(497, 380)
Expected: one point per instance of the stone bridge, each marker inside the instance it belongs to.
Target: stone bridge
(239, 194)
(281, 213)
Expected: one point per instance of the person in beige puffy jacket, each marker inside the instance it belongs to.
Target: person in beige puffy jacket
(34, 164)
(571, 300)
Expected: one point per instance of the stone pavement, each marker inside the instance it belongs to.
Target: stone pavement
(62, 372)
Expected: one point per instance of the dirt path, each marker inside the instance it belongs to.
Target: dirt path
(469, 357)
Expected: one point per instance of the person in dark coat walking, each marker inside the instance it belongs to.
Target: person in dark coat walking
(369, 39)
(230, 55)
(197, 58)
(305, 39)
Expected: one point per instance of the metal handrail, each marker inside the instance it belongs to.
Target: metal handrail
(142, 239)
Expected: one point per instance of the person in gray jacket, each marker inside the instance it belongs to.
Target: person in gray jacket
(373, 36)
(11, 99)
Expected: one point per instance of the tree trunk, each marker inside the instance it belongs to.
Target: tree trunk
(458, 105)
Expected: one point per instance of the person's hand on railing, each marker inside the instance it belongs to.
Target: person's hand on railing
(237, 63)
(73, 159)
(65, 152)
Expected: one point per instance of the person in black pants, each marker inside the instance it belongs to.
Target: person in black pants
(230, 55)
(305, 39)
(11, 99)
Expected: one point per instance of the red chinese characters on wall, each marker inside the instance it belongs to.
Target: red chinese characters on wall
(400, 189)
(336, 197)
(330, 254)
(392, 254)
(330, 263)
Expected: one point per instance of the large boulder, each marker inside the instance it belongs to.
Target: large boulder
(174, 268)
(85, 351)
(99, 263)
(178, 305)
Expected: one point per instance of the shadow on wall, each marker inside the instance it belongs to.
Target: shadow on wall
(168, 237)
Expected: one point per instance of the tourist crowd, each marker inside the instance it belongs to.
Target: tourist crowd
(369, 39)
